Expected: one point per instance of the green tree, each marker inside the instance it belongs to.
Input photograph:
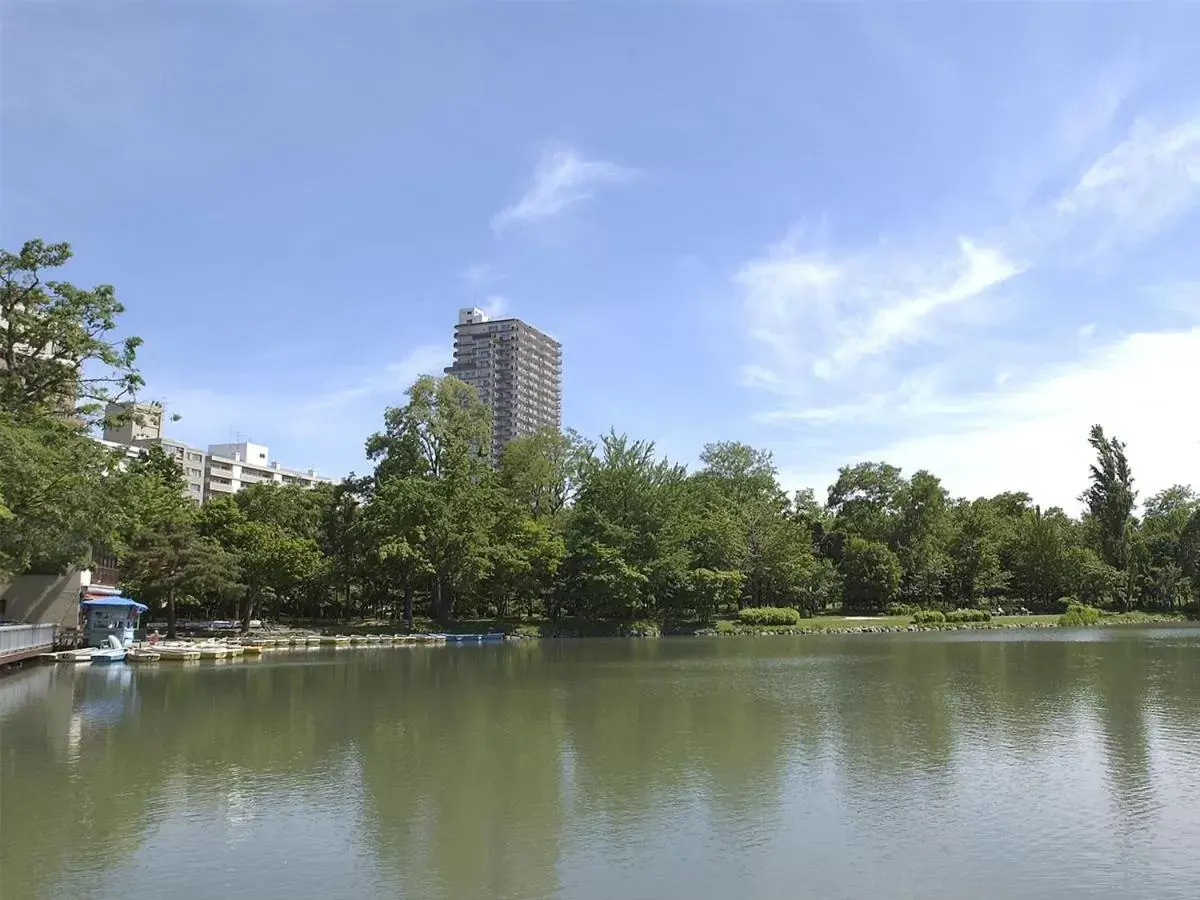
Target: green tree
(870, 575)
(53, 486)
(543, 471)
(274, 565)
(439, 442)
(1042, 558)
(920, 537)
(864, 500)
(1110, 498)
(977, 535)
(56, 352)
(172, 560)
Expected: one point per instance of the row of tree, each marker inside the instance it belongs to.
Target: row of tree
(562, 527)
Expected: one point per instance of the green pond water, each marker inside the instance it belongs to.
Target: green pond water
(1001, 765)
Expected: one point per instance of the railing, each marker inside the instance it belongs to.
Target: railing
(20, 640)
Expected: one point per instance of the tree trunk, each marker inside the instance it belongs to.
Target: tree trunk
(170, 615)
(247, 614)
(439, 594)
(408, 604)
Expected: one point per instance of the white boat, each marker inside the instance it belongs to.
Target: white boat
(177, 653)
(115, 652)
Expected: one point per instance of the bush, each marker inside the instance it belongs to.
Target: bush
(1079, 615)
(929, 617)
(902, 609)
(968, 615)
(769, 615)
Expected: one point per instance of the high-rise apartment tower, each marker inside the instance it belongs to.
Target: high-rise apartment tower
(516, 369)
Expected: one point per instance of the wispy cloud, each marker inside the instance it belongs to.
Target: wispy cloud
(896, 343)
(563, 177)
(495, 305)
(480, 275)
(1137, 188)
(389, 383)
(329, 425)
(820, 315)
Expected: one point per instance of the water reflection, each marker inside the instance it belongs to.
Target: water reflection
(920, 765)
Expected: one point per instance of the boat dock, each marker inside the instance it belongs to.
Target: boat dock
(20, 642)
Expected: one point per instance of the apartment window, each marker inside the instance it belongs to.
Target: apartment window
(193, 473)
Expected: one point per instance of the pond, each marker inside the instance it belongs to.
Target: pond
(990, 765)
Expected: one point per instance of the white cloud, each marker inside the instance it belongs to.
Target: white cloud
(480, 275)
(562, 177)
(326, 428)
(1034, 437)
(1136, 189)
(893, 349)
(819, 315)
(494, 305)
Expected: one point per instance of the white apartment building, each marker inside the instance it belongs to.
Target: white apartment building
(221, 469)
(230, 467)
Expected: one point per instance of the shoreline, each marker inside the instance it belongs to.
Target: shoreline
(644, 629)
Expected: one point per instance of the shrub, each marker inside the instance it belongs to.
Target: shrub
(929, 617)
(968, 615)
(902, 609)
(769, 615)
(1079, 615)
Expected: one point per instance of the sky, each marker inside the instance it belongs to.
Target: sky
(950, 238)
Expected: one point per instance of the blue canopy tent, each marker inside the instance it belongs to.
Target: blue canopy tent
(116, 616)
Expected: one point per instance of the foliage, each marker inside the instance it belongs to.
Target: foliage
(902, 609)
(607, 533)
(872, 575)
(769, 615)
(1078, 614)
(171, 561)
(959, 616)
(929, 617)
(56, 355)
(52, 483)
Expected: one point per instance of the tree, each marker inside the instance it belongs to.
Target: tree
(618, 538)
(864, 500)
(1042, 558)
(1110, 498)
(55, 345)
(53, 486)
(920, 537)
(437, 446)
(870, 575)
(273, 564)
(150, 491)
(171, 560)
(542, 471)
(977, 536)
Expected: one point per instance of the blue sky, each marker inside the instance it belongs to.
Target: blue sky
(951, 238)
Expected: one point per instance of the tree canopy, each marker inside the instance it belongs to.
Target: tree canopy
(562, 527)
